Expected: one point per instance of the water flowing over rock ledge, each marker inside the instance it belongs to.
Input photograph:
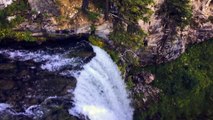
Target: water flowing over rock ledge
(45, 81)
(33, 81)
(101, 93)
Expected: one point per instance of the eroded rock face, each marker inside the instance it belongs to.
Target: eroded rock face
(204, 6)
(163, 46)
(62, 18)
(45, 6)
(23, 84)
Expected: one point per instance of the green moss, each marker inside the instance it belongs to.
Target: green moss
(114, 55)
(187, 85)
(127, 40)
(96, 41)
(19, 36)
(130, 83)
(93, 28)
(132, 38)
(92, 16)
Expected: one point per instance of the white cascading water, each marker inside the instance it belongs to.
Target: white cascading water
(100, 93)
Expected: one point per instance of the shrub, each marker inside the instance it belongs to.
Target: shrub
(96, 41)
(187, 85)
(178, 12)
(19, 36)
(18, 8)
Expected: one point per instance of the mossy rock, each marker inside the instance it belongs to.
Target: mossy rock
(96, 41)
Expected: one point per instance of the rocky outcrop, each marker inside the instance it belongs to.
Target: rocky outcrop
(5, 3)
(22, 85)
(44, 6)
(142, 91)
(164, 46)
(61, 18)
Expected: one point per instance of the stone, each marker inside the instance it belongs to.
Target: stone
(44, 6)
(149, 78)
(163, 46)
(6, 84)
(10, 18)
(6, 67)
(104, 30)
(5, 3)
(143, 78)
(144, 94)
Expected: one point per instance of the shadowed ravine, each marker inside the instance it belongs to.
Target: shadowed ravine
(99, 94)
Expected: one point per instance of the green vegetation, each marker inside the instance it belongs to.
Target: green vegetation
(127, 34)
(186, 85)
(129, 12)
(10, 34)
(132, 10)
(96, 41)
(177, 12)
(127, 43)
(92, 16)
(128, 40)
(19, 9)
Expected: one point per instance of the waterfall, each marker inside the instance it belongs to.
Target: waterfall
(100, 93)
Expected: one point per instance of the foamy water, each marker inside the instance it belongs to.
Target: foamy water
(50, 62)
(4, 106)
(100, 93)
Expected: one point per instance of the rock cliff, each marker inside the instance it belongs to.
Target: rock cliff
(61, 18)
(163, 44)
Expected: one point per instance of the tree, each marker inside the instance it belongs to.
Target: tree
(177, 12)
(106, 13)
(132, 10)
(85, 5)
